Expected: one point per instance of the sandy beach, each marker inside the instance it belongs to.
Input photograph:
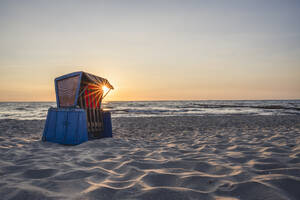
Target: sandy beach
(209, 157)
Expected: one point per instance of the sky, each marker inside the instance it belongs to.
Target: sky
(152, 50)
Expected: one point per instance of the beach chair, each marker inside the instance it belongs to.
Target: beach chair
(78, 116)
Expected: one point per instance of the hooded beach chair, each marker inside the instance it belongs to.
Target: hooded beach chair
(78, 116)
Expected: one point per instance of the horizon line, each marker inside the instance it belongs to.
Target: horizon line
(14, 101)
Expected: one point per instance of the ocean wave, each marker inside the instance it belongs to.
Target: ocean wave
(277, 107)
(27, 110)
(273, 107)
(21, 109)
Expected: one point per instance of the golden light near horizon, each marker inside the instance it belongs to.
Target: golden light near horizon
(194, 51)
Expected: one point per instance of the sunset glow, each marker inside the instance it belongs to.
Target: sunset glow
(152, 50)
(105, 89)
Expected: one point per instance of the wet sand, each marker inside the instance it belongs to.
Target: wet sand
(209, 157)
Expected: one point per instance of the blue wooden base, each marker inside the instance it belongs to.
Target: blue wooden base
(66, 126)
(107, 128)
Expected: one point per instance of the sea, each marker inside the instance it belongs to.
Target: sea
(38, 110)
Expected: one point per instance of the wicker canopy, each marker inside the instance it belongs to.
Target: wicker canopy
(70, 87)
(96, 80)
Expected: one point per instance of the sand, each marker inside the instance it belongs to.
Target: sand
(209, 157)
